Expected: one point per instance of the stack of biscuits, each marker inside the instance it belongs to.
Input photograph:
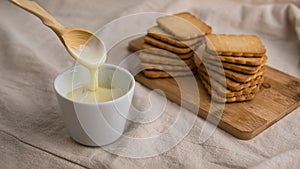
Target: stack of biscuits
(241, 58)
(168, 47)
(230, 67)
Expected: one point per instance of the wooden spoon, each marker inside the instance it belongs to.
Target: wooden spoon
(75, 40)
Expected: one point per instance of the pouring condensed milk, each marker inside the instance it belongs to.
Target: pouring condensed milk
(92, 56)
(84, 47)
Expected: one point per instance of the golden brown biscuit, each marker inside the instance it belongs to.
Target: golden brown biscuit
(159, 59)
(152, 49)
(155, 66)
(135, 44)
(219, 88)
(235, 45)
(231, 84)
(238, 68)
(138, 44)
(216, 97)
(159, 34)
(183, 26)
(162, 74)
(166, 46)
(236, 76)
(250, 61)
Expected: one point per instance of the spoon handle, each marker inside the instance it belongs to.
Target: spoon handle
(41, 13)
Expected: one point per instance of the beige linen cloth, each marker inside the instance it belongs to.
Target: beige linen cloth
(32, 131)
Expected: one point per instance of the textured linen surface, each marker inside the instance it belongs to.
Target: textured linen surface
(32, 131)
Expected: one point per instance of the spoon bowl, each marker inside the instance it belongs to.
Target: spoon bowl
(82, 45)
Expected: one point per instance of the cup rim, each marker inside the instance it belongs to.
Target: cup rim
(97, 103)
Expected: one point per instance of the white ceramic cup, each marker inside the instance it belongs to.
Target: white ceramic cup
(95, 124)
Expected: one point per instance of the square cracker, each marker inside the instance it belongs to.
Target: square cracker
(238, 68)
(236, 76)
(249, 61)
(183, 26)
(139, 44)
(171, 48)
(216, 97)
(231, 84)
(159, 59)
(136, 44)
(159, 34)
(154, 66)
(233, 79)
(162, 74)
(235, 45)
(222, 90)
(152, 49)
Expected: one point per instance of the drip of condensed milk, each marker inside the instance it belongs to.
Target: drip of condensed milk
(92, 57)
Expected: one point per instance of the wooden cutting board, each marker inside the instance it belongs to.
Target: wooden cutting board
(243, 120)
